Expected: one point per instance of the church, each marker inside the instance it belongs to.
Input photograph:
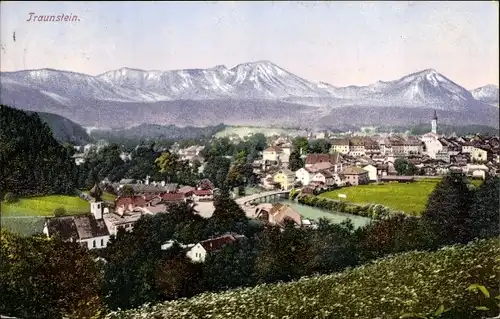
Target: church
(89, 230)
(433, 147)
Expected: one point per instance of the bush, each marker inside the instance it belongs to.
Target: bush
(58, 212)
(10, 197)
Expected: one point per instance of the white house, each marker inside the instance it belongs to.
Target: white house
(478, 171)
(271, 154)
(304, 175)
(199, 252)
(372, 172)
(327, 178)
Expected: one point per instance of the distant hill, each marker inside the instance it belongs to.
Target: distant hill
(153, 131)
(65, 130)
(446, 129)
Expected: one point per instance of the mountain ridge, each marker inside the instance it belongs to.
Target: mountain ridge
(134, 92)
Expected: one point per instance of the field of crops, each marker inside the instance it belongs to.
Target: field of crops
(416, 282)
(23, 225)
(410, 198)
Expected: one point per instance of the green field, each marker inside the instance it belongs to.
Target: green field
(410, 198)
(45, 205)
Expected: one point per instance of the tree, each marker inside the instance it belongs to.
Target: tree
(448, 209)
(299, 144)
(217, 169)
(58, 212)
(403, 167)
(10, 197)
(295, 162)
(127, 190)
(47, 278)
(168, 163)
(320, 146)
(206, 184)
(484, 213)
(178, 277)
(231, 267)
(395, 235)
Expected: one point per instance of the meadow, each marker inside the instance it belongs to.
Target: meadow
(415, 282)
(410, 198)
(45, 206)
(26, 216)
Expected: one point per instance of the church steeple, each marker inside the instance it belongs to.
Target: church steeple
(96, 192)
(434, 123)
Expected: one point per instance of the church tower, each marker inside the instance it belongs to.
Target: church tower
(434, 123)
(96, 205)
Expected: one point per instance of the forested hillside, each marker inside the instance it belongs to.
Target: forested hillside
(32, 162)
(65, 130)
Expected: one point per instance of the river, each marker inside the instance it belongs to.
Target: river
(315, 213)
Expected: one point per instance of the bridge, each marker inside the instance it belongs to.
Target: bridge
(262, 197)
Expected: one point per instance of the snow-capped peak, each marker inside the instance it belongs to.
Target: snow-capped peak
(488, 94)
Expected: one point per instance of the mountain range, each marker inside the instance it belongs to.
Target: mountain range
(248, 94)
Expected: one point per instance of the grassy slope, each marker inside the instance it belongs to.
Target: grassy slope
(409, 283)
(410, 198)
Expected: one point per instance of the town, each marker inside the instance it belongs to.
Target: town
(188, 160)
(344, 161)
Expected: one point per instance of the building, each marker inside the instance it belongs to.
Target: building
(327, 178)
(271, 154)
(203, 195)
(304, 175)
(277, 214)
(285, 178)
(372, 172)
(200, 251)
(339, 146)
(334, 159)
(434, 123)
(480, 155)
(355, 175)
(88, 230)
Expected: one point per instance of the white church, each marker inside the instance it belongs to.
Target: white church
(433, 147)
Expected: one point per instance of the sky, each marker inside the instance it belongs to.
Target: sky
(341, 43)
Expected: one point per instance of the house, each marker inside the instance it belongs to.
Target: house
(372, 172)
(313, 159)
(304, 175)
(271, 154)
(327, 178)
(88, 230)
(477, 171)
(200, 251)
(79, 158)
(339, 146)
(203, 195)
(355, 175)
(173, 198)
(277, 214)
(480, 154)
(285, 178)
(356, 147)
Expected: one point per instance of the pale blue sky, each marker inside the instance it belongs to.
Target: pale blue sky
(341, 43)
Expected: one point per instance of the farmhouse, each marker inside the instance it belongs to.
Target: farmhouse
(200, 251)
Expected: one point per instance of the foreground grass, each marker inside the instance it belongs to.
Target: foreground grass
(416, 282)
(45, 205)
(410, 198)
